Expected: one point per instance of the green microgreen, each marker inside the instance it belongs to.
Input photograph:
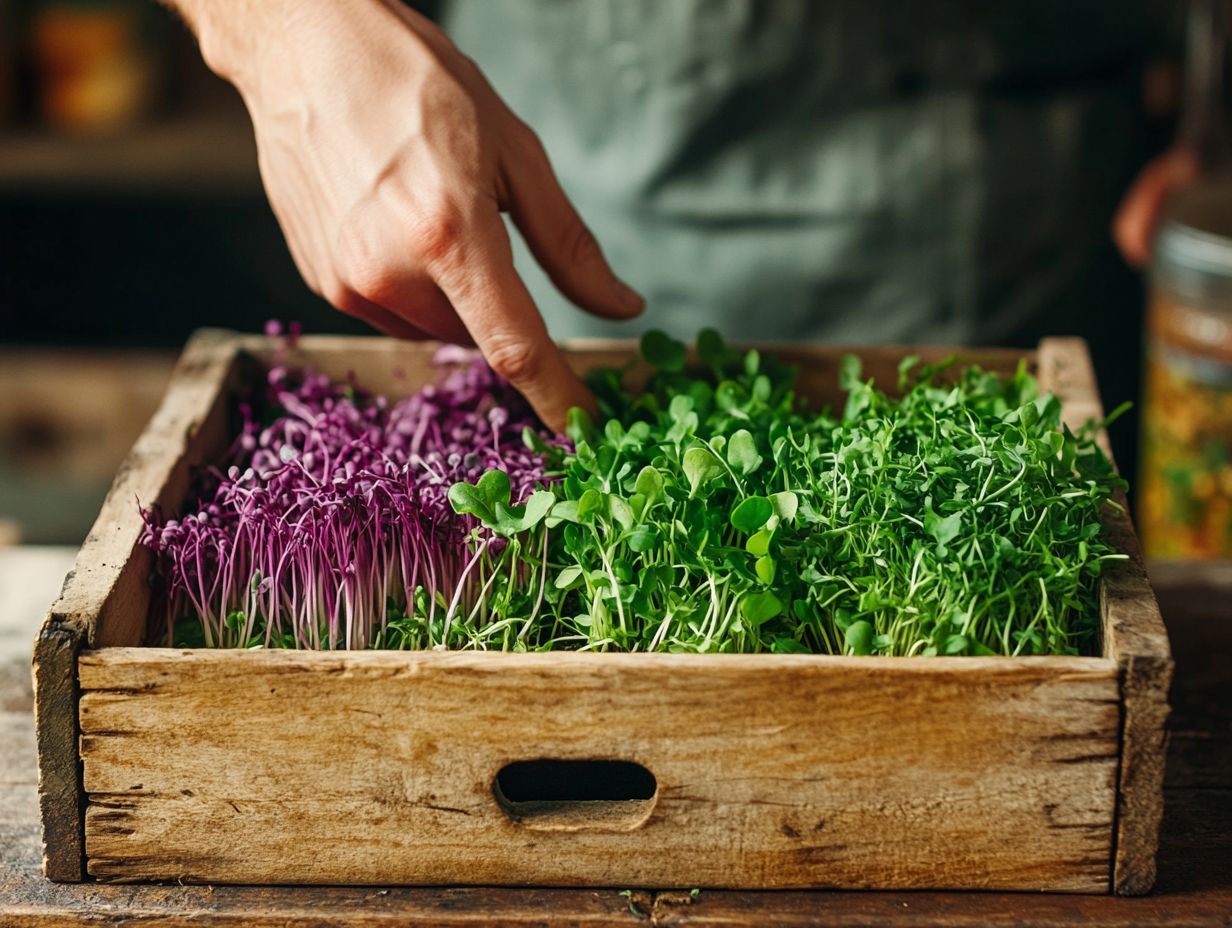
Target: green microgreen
(712, 513)
(705, 511)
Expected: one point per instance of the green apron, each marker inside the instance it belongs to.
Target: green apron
(849, 170)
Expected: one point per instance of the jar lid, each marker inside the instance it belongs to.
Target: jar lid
(1197, 232)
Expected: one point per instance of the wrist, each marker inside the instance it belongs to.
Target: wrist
(231, 33)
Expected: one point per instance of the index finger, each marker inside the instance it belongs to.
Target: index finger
(489, 296)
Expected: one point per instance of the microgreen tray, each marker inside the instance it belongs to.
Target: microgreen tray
(567, 768)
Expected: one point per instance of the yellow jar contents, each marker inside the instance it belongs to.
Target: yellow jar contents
(1185, 482)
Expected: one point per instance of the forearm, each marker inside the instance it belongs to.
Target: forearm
(232, 33)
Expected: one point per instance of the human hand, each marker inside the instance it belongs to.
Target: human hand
(388, 160)
(1137, 218)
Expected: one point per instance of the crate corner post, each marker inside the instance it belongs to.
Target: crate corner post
(61, 798)
(1134, 636)
(105, 596)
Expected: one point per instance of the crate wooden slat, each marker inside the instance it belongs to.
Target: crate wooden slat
(105, 596)
(779, 767)
(772, 770)
(1133, 636)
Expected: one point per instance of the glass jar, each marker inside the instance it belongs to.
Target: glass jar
(1185, 480)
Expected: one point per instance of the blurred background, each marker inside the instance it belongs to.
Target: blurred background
(132, 212)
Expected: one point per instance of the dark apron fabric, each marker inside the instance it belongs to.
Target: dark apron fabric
(848, 170)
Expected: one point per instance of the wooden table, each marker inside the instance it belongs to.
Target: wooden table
(1195, 859)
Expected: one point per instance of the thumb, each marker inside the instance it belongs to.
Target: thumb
(559, 240)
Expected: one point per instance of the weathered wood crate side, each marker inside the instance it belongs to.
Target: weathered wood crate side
(1133, 635)
(173, 795)
(772, 770)
(105, 596)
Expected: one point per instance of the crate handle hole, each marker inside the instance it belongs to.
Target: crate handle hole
(576, 795)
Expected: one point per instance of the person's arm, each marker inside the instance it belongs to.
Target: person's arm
(1202, 138)
(1138, 216)
(388, 160)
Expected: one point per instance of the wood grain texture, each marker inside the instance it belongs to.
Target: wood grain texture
(105, 597)
(773, 770)
(1194, 888)
(396, 368)
(1133, 635)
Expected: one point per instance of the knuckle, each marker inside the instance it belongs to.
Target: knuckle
(438, 235)
(375, 281)
(525, 139)
(362, 259)
(514, 359)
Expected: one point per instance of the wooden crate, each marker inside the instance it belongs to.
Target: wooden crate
(1039, 773)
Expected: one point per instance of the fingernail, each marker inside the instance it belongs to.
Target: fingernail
(630, 300)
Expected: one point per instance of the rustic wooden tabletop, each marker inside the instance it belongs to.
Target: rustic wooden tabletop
(1195, 858)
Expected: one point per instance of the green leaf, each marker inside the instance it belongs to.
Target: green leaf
(649, 483)
(578, 425)
(849, 369)
(538, 505)
(904, 370)
(788, 646)
(507, 520)
(468, 500)
(859, 637)
(943, 530)
(711, 348)
(638, 503)
(702, 395)
(590, 504)
(534, 441)
(759, 607)
(620, 511)
(764, 567)
(759, 544)
(564, 510)
(752, 362)
(700, 465)
(729, 396)
(585, 456)
(785, 505)
(762, 388)
(752, 513)
(956, 644)
(494, 488)
(643, 538)
(662, 351)
(680, 407)
(568, 578)
(742, 452)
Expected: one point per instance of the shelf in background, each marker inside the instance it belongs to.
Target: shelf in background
(208, 153)
(67, 419)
